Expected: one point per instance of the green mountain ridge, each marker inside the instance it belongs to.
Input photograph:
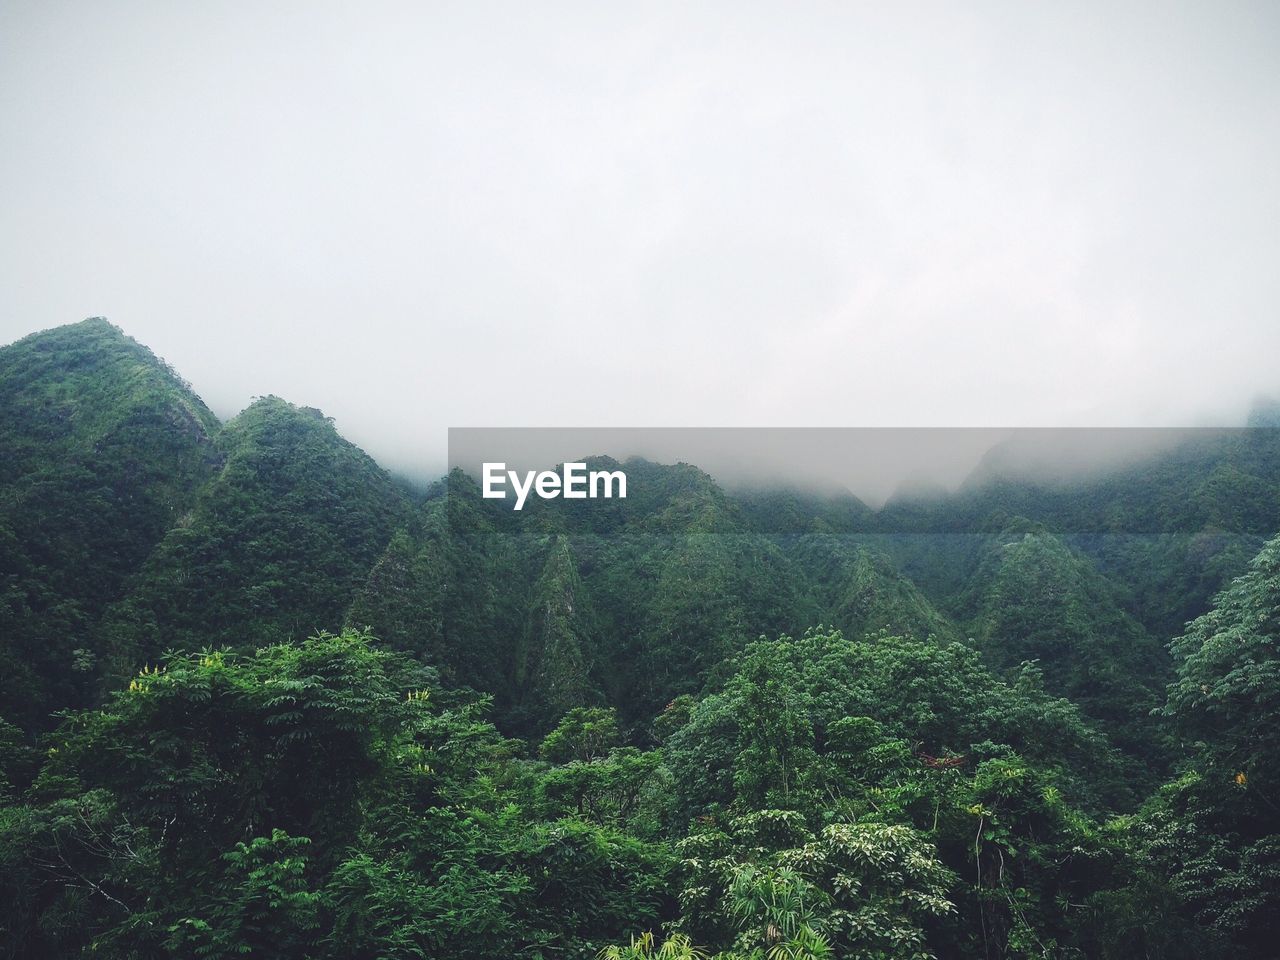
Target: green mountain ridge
(274, 547)
(310, 714)
(277, 527)
(102, 450)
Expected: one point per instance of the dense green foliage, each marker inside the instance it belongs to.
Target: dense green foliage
(321, 799)
(102, 449)
(275, 545)
(260, 699)
(1215, 828)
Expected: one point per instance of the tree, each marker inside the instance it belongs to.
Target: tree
(1213, 829)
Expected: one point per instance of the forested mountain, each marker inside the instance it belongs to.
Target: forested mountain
(1170, 528)
(313, 713)
(645, 598)
(274, 547)
(1033, 599)
(102, 450)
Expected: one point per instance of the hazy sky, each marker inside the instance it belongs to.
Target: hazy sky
(421, 215)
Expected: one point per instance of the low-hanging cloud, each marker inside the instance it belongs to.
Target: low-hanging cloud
(417, 216)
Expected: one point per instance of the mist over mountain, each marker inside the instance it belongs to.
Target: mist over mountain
(923, 602)
(273, 524)
(908, 216)
(250, 629)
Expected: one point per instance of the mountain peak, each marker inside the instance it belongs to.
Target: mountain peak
(1265, 412)
(92, 332)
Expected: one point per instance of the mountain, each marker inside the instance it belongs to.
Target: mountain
(1034, 599)
(274, 547)
(555, 664)
(309, 713)
(102, 450)
(1265, 412)
(452, 587)
(638, 600)
(861, 592)
(273, 527)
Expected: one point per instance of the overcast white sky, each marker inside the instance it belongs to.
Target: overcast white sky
(424, 215)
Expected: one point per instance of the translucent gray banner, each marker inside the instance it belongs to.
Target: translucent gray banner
(888, 481)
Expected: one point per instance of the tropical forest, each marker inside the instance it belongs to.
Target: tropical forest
(260, 697)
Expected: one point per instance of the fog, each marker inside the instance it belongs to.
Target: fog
(876, 464)
(421, 216)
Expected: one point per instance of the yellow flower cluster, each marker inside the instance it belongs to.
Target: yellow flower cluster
(144, 678)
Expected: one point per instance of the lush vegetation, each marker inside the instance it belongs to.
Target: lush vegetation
(261, 699)
(102, 450)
